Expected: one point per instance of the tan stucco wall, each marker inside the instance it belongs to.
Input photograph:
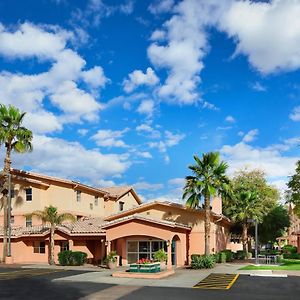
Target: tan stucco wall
(64, 198)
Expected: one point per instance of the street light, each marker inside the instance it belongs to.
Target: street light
(256, 238)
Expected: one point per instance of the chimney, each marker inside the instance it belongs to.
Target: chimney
(216, 205)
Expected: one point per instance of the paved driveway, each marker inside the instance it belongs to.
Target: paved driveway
(42, 286)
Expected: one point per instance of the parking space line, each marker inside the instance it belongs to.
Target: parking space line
(217, 281)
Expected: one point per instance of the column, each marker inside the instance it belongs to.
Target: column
(71, 245)
(169, 248)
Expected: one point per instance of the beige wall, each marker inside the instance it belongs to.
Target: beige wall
(64, 198)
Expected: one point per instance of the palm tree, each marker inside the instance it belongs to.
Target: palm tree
(208, 180)
(51, 216)
(16, 138)
(242, 206)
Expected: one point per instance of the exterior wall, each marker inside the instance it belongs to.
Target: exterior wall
(112, 207)
(119, 234)
(218, 236)
(64, 198)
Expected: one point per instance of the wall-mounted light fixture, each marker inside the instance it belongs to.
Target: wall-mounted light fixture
(106, 243)
(168, 243)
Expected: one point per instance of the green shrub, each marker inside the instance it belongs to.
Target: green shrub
(289, 249)
(202, 261)
(160, 255)
(111, 257)
(71, 258)
(79, 257)
(220, 257)
(229, 255)
(241, 254)
(291, 255)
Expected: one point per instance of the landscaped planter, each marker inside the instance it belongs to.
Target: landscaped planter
(145, 268)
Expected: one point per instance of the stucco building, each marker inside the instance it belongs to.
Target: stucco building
(107, 219)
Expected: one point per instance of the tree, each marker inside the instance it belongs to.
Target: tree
(51, 216)
(253, 198)
(208, 180)
(243, 206)
(273, 225)
(16, 138)
(293, 192)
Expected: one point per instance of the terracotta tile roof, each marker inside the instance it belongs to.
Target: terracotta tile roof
(88, 226)
(117, 191)
(147, 219)
(164, 203)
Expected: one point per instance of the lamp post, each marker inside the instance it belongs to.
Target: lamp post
(256, 238)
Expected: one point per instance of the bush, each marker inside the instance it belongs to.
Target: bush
(72, 258)
(291, 255)
(160, 255)
(111, 257)
(220, 257)
(289, 249)
(202, 261)
(229, 255)
(241, 254)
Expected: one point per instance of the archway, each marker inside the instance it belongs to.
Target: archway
(175, 250)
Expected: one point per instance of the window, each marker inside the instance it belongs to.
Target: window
(64, 245)
(79, 218)
(143, 249)
(96, 200)
(78, 196)
(91, 206)
(39, 247)
(28, 221)
(28, 194)
(12, 219)
(121, 206)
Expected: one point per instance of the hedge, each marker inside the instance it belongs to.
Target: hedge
(202, 261)
(289, 249)
(72, 258)
(291, 255)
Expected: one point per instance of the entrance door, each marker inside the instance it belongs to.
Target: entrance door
(173, 253)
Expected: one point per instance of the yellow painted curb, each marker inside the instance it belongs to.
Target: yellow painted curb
(232, 281)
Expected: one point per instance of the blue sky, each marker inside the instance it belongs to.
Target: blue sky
(126, 92)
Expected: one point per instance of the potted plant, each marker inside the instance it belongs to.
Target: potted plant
(111, 260)
(162, 257)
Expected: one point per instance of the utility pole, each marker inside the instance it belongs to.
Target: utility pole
(256, 242)
(9, 216)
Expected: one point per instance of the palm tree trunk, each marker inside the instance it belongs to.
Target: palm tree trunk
(6, 169)
(207, 224)
(245, 237)
(52, 230)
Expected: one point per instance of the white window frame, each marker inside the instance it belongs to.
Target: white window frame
(29, 195)
(121, 205)
(28, 222)
(78, 196)
(138, 247)
(39, 249)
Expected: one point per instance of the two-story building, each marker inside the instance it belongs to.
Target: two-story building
(107, 219)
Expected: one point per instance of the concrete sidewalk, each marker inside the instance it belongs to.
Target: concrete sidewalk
(183, 278)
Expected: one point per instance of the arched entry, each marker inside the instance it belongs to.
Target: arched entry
(175, 250)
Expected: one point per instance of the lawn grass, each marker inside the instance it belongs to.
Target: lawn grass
(287, 264)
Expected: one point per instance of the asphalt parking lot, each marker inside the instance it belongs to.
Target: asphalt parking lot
(38, 284)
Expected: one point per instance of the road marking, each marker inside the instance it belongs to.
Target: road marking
(217, 281)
